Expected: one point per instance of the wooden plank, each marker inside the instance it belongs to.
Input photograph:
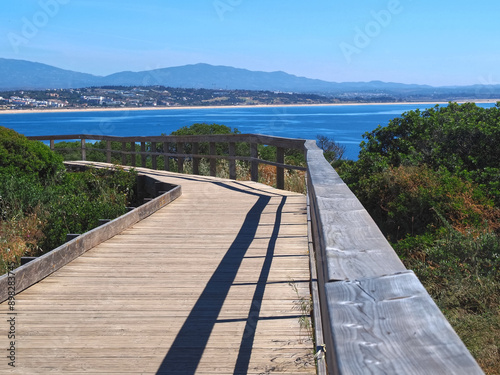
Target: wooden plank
(213, 166)
(350, 244)
(166, 161)
(280, 171)
(180, 159)
(83, 149)
(153, 156)
(196, 160)
(254, 166)
(124, 156)
(217, 138)
(46, 264)
(143, 154)
(108, 151)
(132, 156)
(232, 162)
(390, 325)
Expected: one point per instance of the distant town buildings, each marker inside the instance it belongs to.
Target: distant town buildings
(16, 102)
(151, 96)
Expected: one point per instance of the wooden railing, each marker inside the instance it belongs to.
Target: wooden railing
(372, 315)
(377, 317)
(164, 146)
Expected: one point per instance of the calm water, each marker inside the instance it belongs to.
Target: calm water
(346, 124)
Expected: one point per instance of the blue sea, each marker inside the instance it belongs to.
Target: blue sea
(344, 123)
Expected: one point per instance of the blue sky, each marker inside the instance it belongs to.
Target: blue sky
(410, 41)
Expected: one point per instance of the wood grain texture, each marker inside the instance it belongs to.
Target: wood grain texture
(50, 262)
(203, 281)
(377, 317)
(350, 244)
(390, 325)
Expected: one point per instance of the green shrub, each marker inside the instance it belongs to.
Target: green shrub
(20, 156)
(83, 199)
(462, 138)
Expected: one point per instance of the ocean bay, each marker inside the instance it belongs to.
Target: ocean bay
(344, 123)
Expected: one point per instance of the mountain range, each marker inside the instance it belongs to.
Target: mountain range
(21, 74)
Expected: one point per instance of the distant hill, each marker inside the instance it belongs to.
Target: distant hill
(20, 74)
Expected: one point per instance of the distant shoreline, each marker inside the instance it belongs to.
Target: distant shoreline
(125, 109)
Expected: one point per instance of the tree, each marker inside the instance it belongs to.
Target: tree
(332, 151)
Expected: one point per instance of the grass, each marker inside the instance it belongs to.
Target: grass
(304, 305)
(460, 270)
(19, 237)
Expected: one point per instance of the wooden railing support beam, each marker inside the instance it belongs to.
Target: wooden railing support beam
(180, 160)
(280, 171)
(108, 151)
(153, 156)
(124, 155)
(213, 165)
(196, 161)
(166, 159)
(254, 165)
(232, 162)
(133, 155)
(84, 151)
(143, 154)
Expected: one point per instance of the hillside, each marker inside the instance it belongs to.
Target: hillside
(23, 75)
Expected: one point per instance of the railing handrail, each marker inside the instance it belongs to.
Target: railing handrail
(293, 143)
(377, 317)
(253, 140)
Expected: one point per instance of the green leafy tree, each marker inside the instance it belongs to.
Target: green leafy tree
(20, 156)
(462, 138)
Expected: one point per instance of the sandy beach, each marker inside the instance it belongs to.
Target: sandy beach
(124, 109)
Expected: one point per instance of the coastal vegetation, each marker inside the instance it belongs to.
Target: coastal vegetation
(40, 202)
(431, 181)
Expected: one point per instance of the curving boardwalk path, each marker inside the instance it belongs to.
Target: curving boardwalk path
(210, 284)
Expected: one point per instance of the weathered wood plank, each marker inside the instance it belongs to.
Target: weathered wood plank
(390, 325)
(217, 138)
(350, 244)
(43, 266)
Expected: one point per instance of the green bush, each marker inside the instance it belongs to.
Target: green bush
(20, 156)
(462, 138)
(40, 202)
(83, 199)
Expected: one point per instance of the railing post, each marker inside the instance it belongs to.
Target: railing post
(213, 161)
(153, 156)
(166, 159)
(132, 155)
(143, 155)
(232, 162)
(84, 150)
(180, 160)
(196, 161)
(108, 151)
(52, 144)
(280, 171)
(254, 166)
(124, 155)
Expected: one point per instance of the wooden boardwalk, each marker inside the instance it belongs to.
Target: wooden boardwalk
(210, 284)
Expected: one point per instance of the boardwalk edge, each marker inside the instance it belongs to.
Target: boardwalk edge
(38, 269)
